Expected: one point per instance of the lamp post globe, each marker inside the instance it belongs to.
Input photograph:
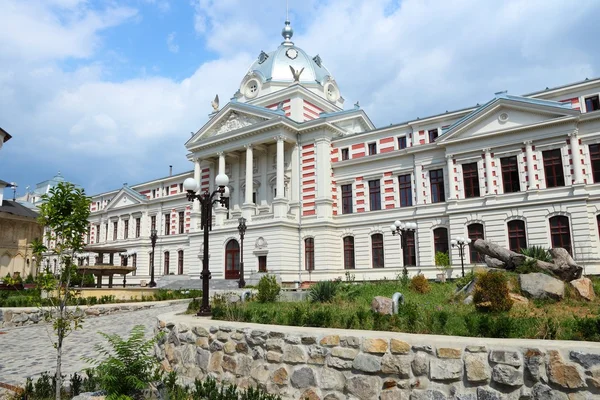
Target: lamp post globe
(190, 185)
(222, 180)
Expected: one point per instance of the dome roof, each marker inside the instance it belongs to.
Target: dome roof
(275, 66)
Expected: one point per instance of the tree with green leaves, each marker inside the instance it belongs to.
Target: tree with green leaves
(64, 215)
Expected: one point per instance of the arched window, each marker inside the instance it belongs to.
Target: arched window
(517, 237)
(560, 233)
(180, 262)
(440, 240)
(166, 268)
(475, 232)
(377, 250)
(309, 254)
(348, 252)
(232, 260)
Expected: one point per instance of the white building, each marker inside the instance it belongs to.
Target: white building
(320, 185)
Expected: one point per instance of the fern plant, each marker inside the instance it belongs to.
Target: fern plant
(127, 366)
(323, 291)
(537, 252)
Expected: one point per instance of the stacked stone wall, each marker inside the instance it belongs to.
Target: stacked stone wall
(315, 363)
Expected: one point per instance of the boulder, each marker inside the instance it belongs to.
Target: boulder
(518, 299)
(382, 305)
(541, 286)
(583, 287)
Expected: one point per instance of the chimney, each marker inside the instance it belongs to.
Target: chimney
(170, 170)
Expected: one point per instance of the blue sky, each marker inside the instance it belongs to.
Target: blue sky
(107, 92)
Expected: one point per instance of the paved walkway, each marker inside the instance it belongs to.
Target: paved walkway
(28, 351)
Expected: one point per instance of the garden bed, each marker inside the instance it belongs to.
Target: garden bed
(437, 312)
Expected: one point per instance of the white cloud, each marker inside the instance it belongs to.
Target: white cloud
(401, 61)
(163, 5)
(171, 45)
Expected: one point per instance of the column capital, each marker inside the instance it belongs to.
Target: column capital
(220, 153)
(279, 138)
(248, 146)
(527, 142)
(574, 133)
(449, 157)
(487, 150)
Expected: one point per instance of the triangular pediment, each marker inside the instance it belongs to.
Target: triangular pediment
(506, 114)
(126, 197)
(233, 117)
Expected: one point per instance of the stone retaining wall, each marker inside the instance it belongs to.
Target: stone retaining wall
(331, 364)
(20, 316)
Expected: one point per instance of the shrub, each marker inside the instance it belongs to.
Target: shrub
(323, 291)
(465, 280)
(529, 266)
(420, 284)
(268, 289)
(442, 260)
(491, 292)
(537, 252)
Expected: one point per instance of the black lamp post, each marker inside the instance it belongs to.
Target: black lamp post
(402, 229)
(153, 237)
(207, 200)
(461, 243)
(242, 229)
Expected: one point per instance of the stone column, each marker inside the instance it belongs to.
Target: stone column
(451, 184)
(576, 156)
(249, 208)
(295, 181)
(221, 162)
(532, 182)
(489, 176)
(195, 214)
(280, 203)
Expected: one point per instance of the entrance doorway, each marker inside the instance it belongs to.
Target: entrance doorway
(232, 260)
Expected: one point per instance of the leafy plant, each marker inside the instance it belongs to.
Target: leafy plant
(491, 292)
(127, 367)
(76, 384)
(442, 260)
(527, 267)
(268, 289)
(323, 291)
(464, 280)
(29, 279)
(537, 252)
(419, 284)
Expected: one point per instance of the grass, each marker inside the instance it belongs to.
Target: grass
(437, 312)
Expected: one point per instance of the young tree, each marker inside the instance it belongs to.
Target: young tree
(64, 215)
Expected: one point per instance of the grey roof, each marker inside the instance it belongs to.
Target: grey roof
(14, 208)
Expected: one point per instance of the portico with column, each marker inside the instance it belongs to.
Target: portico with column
(249, 208)
(280, 202)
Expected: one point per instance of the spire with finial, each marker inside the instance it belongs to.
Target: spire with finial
(287, 32)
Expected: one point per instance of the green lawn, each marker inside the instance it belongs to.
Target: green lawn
(437, 312)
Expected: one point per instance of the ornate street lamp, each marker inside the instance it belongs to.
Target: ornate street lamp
(461, 243)
(207, 200)
(402, 229)
(242, 229)
(153, 237)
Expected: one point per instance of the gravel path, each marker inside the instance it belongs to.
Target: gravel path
(27, 351)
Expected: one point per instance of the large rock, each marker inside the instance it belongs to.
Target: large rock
(564, 374)
(430, 394)
(367, 363)
(445, 369)
(541, 286)
(364, 387)
(543, 392)
(303, 377)
(584, 287)
(382, 305)
(477, 367)
(507, 375)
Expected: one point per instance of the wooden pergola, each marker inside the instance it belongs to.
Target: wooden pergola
(101, 269)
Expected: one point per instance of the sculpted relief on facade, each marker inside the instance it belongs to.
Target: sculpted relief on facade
(233, 122)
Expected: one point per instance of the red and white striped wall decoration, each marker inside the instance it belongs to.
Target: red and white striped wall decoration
(287, 106)
(422, 137)
(386, 144)
(574, 103)
(174, 189)
(188, 218)
(174, 221)
(334, 192)
(310, 111)
(146, 193)
(360, 194)
(456, 179)
(204, 180)
(389, 198)
(358, 150)
(309, 186)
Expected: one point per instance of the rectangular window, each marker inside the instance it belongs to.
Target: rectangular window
(436, 180)
(433, 135)
(553, 169)
(134, 264)
(470, 180)
(406, 195)
(401, 142)
(126, 229)
(346, 199)
(123, 261)
(166, 265)
(153, 222)
(375, 195)
(180, 262)
(97, 233)
(309, 254)
(138, 222)
(180, 187)
(181, 222)
(262, 263)
(106, 232)
(510, 175)
(595, 159)
(372, 149)
(592, 103)
(115, 229)
(409, 254)
(254, 197)
(377, 250)
(88, 235)
(345, 154)
(167, 224)
(349, 252)
(153, 193)
(517, 239)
